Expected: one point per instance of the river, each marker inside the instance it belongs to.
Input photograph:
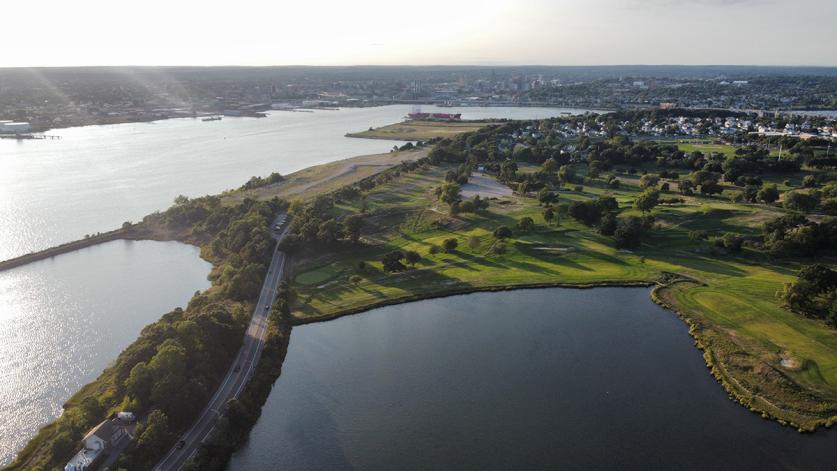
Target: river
(96, 177)
(566, 379)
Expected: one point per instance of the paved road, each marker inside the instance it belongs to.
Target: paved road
(240, 371)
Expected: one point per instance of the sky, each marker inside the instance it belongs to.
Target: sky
(462, 32)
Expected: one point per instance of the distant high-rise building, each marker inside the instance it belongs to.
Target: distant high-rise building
(416, 88)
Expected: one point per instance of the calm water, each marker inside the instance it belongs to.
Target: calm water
(96, 177)
(536, 379)
(63, 320)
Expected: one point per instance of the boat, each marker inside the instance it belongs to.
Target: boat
(212, 118)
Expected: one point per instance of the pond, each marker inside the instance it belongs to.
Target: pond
(530, 379)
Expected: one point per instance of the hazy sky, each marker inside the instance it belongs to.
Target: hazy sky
(348, 32)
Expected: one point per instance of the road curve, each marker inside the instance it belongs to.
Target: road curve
(240, 371)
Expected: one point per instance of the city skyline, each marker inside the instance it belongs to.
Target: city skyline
(370, 32)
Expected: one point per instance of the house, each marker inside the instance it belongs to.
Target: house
(96, 444)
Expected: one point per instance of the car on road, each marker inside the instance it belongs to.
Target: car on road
(180, 444)
(237, 368)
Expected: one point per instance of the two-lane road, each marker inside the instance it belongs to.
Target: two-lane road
(239, 372)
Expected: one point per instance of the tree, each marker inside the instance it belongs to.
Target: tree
(328, 231)
(502, 232)
(155, 435)
(801, 201)
(630, 231)
(550, 165)
(139, 382)
(450, 244)
(480, 203)
(412, 257)
(647, 200)
(449, 193)
(594, 169)
(62, 444)
(607, 203)
(474, 242)
(549, 215)
(608, 225)
(687, 188)
(586, 212)
(711, 188)
(814, 293)
(92, 409)
(566, 174)
(526, 224)
(648, 181)
(508, 170)
(392, 261)
(352, 226)
(768, 194)
(546, 197)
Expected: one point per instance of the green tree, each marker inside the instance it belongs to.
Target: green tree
(412, 257)
(450, 244)
(566, 174)
(801, 201)
(768, 194)
(328, 232)
(648, 181)
(449, 193)
(549, 215)
(392, 261)
(474, 242)
(550, 165)
(155, 435)
(502, 232)
(546, 197)
(508, 170)
(526, 224)
(647, 200)
(352, 226)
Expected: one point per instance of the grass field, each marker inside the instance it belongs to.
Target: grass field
(777, 361)
(708, 148)
(419, 130)
(327, 177)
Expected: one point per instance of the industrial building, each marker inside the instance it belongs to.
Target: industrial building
(12, 127)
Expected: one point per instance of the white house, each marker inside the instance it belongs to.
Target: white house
(96, 443)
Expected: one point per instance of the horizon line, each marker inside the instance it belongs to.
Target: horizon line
(101, 66)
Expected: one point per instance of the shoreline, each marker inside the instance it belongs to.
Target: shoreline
(66, 247)
(731, 385)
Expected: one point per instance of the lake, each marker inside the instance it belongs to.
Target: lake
(65, 319)
(96, 177)
(564, 379)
